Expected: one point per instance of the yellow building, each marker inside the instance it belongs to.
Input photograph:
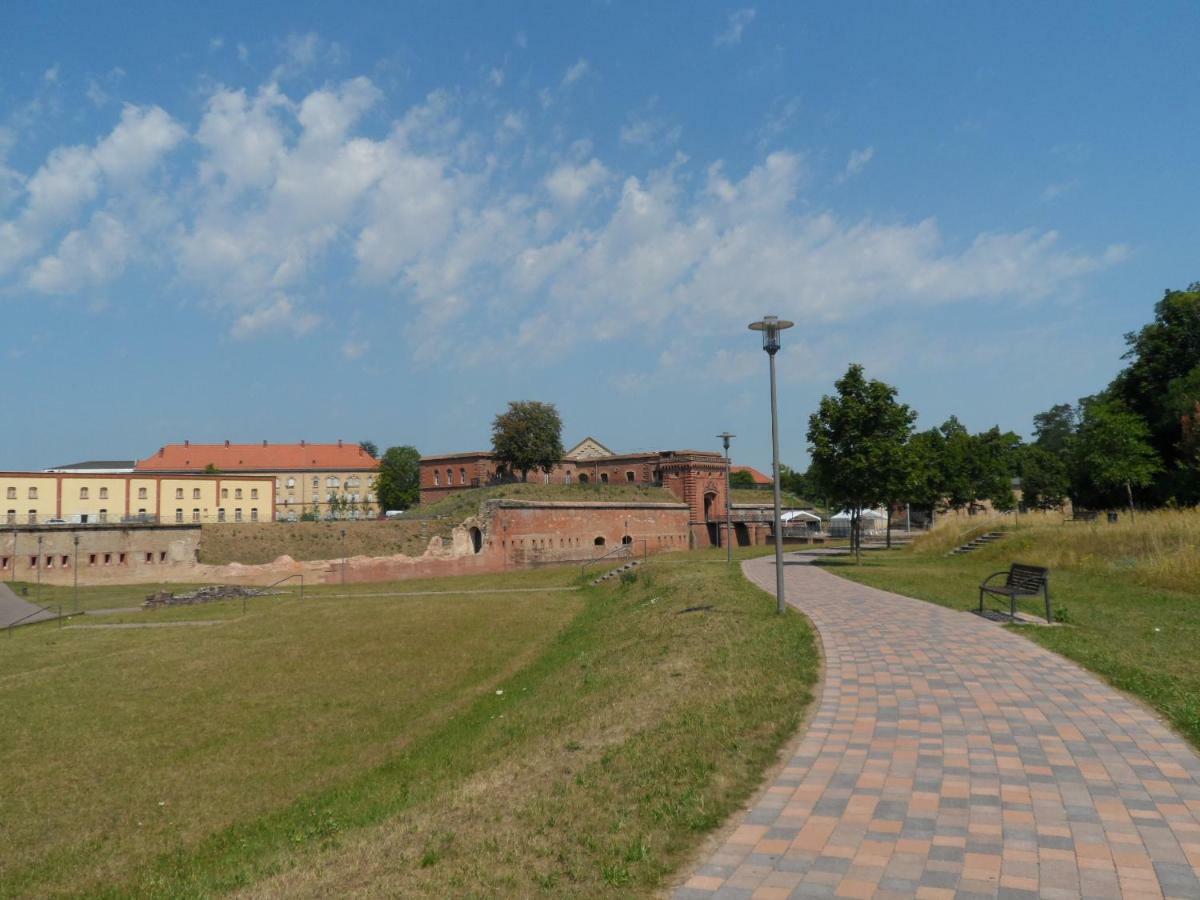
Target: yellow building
(327, 480)
(32, 498)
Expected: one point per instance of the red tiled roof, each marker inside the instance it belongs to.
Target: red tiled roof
(759, 477)
(188, 457)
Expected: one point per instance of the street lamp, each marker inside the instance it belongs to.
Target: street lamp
(75, 566)
(726, 437)
(770, 326)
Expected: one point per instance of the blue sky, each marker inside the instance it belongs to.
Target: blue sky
(326, 221)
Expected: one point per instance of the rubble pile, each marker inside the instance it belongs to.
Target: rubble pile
(160, 599)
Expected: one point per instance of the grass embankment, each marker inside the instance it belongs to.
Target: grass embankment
(564, 744)
(264, 542)
(1128, 593)
(767, 498)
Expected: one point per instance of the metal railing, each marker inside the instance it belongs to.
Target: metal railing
(622, 550)
(41, 609)
(263, 590)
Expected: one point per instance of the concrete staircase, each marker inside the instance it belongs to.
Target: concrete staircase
(975, 543)
(616, 573)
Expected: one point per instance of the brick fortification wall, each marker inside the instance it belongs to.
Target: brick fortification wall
(507, 534)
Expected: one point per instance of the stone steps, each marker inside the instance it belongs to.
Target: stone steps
(616, 573)
(975, 543)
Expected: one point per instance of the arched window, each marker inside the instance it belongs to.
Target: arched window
(626, 540)
(83, 493)
(436, 478)
(449, 476)
(291, 482)
(599, 542)
(462, 476)
(583, 479)
(332, 481)
(604, 478)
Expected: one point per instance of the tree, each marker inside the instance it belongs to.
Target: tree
(1054, 428)
(398, 484)
(856, 439)
(741, 479)
(927, 485)
(1045, 478)
(528, 437)
(1113, 444)
(370, 448)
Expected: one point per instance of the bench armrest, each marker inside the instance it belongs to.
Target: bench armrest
(985, 581)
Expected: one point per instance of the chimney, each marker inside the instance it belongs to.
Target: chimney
(339, 443)
(162, 451)
(227, 443)
(186, 443)
(264, 443)
(301, 443)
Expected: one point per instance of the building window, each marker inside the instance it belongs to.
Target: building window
(316, 484)
(121, 559)
(630, 477)
(11, 516)
(436, 478)
(3, 562)
(103, 493)
(162, 556)
(33, 493)
(141, 493)
(332, 481)
(462, 476)
(12, 493)
(83, 493)
(142, 513)
(224, 493)
(254, 514)
(221, 514)
(583, 479)
(150, 557)
(291, 482)
(195, 515)
(567, 478)
(253, 493)
(33, 517)
(237, 514)
(91, 559)
(49, 562)
(195, 493)
(108, 559)
(33, 562)
(179, 515)
(449, 477)
(104, 515)
(237, 494)
(178, 493)
(604, 478)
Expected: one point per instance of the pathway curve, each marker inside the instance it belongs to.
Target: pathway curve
(951, 758)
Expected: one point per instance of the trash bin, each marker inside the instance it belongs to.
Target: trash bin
(1112, 517)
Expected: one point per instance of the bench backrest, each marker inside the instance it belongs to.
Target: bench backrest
(1028, 579)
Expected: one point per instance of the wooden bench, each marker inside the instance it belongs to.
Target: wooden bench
(1019, 581)
(1084, 515)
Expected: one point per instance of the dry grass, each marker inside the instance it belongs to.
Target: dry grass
(359, 745)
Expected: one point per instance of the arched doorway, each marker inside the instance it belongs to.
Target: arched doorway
(476, 539)
(710, 505)
(583, 479)
(599, 542)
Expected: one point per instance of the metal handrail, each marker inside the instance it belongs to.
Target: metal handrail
(622, 550)
(41, 609)
(262, 591)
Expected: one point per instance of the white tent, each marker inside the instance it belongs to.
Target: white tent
(800, 520)
(870, 521)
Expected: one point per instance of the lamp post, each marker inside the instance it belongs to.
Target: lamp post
(38, 563)
(770, 326)
(75, 568)
(726, 437)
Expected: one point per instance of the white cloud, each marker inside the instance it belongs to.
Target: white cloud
(1052, 192)
(85, 258)
(216, 43)
(280, 316)
(856, 162)
(352, 349)
(779, 119)
(734, 27)
(496, 77)
(569, 184)
(575, 72)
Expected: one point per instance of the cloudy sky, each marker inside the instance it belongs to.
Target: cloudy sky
(300, 220)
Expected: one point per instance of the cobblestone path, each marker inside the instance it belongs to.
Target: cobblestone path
(950, 758)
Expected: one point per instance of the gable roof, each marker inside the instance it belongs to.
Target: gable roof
(227, 457)
(759, 477)
(588, 448)
(96, 465)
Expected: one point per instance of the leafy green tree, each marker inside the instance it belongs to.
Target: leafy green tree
(797, 483)
(1161, 383)
(527, 437)
(398, 484)
(370, 448)
(927, 486)
(856, 438)
(1054, 428)
(1045, 477)
(741, 479)
(1113, 444)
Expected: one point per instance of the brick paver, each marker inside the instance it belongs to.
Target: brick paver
(950, 758)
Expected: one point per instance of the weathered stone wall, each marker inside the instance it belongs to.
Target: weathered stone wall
(507, 534)
(106, 554)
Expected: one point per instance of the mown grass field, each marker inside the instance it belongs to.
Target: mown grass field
(570, 743)
(1126, 593)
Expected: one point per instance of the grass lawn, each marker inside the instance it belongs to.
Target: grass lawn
(562, 743)
(1141, 637)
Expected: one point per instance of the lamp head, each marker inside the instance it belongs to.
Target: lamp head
(770, 326)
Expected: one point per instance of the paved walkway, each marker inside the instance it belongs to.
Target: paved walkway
(14, 609)
(950, 758)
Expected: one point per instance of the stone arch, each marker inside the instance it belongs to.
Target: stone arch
(599, 541)
(710, 504)
(626, 540)
(583, 479)
(476, 539)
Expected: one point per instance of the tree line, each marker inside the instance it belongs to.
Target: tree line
(1138, 440)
